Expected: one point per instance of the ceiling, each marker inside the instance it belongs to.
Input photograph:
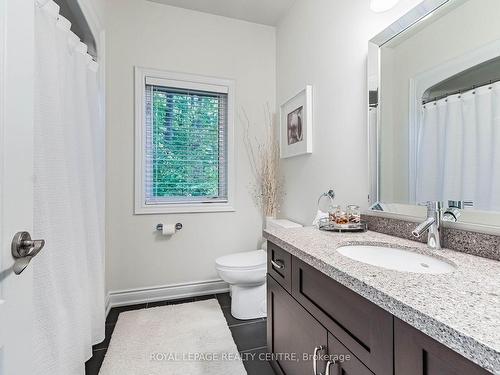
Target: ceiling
(267, 12)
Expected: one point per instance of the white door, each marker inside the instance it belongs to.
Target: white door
(16, 181)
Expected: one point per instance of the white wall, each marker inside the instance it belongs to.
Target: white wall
(94, 11)
(97, 7)
(158, 36)
(325, 43)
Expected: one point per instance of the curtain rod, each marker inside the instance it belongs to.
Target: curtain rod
(436, 98)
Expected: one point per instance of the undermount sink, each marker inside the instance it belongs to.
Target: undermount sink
(396, 259)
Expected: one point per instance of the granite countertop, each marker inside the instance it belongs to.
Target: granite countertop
(460, 309)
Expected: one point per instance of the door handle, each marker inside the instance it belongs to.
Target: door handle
(24, 249)
(315, 358)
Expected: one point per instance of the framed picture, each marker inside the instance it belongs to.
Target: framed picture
(296, 124)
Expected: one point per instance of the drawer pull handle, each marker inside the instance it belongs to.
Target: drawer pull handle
(315, 358)
(278, 264)
(328, 367)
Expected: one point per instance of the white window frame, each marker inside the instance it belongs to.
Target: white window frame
(186, 81)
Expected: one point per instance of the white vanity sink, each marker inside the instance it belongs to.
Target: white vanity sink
(396, 259)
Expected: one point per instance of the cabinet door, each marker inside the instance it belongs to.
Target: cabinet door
(345, 363)
(292, 334)
(417, 354)
(362, 326)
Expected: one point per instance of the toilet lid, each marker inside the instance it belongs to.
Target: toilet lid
(247, 259)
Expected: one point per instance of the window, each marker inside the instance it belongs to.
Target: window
(184, 147)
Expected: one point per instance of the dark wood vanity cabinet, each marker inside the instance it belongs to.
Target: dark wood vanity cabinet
(418, 354)
(292, 331)
(309, 312)
(345, 362)
(362, 326)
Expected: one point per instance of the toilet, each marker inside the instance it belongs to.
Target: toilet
(245, 272)
(246, 275)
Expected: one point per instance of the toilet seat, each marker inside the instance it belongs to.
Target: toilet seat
(246, 261)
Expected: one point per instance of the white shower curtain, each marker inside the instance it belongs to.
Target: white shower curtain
(458, 149)
(68, 198)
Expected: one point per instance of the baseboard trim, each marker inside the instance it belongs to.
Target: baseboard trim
(107, 305)
(164, 293)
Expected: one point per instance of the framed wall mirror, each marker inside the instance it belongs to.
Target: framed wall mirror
(434, 112)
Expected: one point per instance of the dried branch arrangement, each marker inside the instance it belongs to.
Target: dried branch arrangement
(264, 156)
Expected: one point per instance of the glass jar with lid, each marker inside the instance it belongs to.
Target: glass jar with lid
(353, 214)
(334, 211)
(341, 216)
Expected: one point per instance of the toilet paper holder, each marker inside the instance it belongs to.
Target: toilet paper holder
(159, 227)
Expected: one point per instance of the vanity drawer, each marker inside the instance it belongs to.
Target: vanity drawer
(279, 265)
(360, 325)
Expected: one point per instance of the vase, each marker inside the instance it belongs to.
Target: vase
(267, 220)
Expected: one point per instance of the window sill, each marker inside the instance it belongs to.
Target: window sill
(186, 208)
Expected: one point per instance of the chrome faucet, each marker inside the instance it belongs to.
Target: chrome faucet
(435, 216)
(432, 225)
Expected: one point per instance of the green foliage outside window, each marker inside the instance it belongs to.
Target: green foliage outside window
(185, 145)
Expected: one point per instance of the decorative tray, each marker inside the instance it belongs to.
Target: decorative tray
(330, 226)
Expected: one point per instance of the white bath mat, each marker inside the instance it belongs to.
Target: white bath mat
(187, 339)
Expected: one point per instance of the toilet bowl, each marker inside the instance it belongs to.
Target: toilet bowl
(246, 274)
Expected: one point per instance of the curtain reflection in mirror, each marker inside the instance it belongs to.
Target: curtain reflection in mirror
(458, 150)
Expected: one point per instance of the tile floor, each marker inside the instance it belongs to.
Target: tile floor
(249, 335)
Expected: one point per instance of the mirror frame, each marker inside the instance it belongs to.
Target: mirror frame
(408, 20)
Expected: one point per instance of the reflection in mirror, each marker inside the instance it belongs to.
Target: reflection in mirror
(434, 116)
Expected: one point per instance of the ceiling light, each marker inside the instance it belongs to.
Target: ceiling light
(382, 5)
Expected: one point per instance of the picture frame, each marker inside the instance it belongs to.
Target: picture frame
(296, 123)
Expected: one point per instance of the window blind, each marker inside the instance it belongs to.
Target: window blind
(186, 145)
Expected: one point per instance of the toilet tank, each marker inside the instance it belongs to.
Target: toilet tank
(281, 224)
